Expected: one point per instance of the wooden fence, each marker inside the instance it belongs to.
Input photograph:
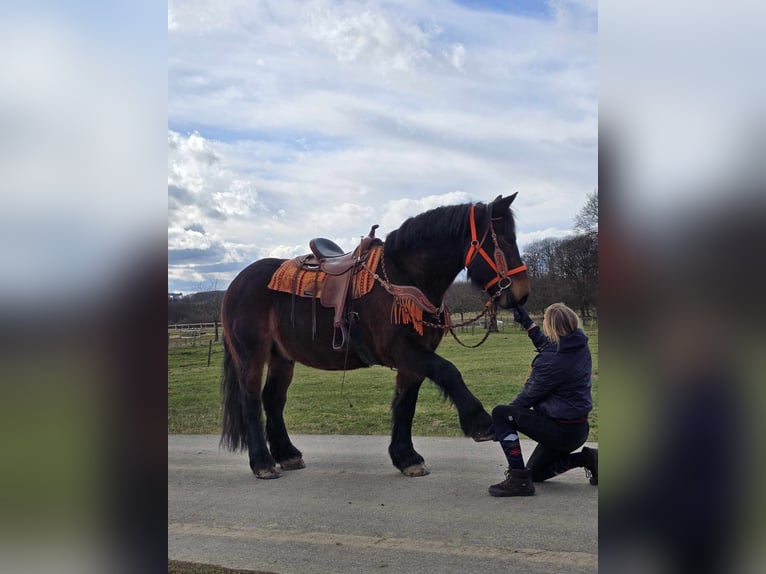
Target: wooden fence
(194, 334)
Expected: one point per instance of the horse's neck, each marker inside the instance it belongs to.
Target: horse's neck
(431, 271)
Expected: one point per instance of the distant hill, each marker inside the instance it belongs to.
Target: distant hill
(202, 307)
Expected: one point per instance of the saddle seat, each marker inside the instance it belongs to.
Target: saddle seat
(330, 258)
(339, 267)
(325, 248)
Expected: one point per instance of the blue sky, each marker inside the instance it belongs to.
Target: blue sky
(388, 108)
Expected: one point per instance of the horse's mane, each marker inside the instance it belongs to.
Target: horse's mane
(439, 223)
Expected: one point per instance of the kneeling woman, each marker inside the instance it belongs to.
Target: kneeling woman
(552, 407)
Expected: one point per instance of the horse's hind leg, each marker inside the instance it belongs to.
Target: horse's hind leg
(279, 377)
(261, 461)
(401, 450)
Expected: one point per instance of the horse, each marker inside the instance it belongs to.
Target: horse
(264, 328)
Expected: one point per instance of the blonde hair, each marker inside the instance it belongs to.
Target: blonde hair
(558, 321)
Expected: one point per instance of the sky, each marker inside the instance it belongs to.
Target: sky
(289, 120)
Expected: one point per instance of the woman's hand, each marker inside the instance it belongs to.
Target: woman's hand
(521, 316)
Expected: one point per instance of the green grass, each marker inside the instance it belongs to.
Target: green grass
(329, 402)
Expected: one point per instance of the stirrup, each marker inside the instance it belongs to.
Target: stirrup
(339, 346)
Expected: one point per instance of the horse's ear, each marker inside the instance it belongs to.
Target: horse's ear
(503, 203)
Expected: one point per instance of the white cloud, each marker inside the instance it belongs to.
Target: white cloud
(204, 186)
(190, 161)
(456, 55)
(396, 211)
(285, 251)
(208, 15)
(238, 199)
(368, 36)
(525, 239)
(180, 238)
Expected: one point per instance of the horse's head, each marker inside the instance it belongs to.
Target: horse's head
(493, 259)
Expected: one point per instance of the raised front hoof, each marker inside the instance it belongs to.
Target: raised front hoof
(266, 473)
(483, 436)
(419, 469)
(292, 463)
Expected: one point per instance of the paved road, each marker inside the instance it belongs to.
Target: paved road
(351, 511)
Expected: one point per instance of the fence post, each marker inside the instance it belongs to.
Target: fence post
(216, 330)
(209, 351)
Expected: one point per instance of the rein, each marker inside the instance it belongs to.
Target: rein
(415, 295)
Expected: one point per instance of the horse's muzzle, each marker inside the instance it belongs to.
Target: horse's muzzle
(507, 300)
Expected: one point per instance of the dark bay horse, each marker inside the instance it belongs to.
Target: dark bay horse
(267, 327)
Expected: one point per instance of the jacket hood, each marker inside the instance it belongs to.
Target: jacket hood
(572, 342)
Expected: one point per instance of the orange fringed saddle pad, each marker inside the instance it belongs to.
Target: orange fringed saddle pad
(290, 278)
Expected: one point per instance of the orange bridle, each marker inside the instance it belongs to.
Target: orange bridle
(499, 264)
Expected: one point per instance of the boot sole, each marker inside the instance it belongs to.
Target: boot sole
(503, 493)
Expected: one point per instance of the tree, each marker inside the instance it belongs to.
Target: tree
(204, 307)
(464, 297)
(540, 257)
(563, 270)
(587, 219)
(543, 261)
(579, 266)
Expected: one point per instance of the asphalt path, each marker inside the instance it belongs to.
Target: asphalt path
(351, 511)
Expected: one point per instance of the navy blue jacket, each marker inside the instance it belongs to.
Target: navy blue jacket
(559, 384)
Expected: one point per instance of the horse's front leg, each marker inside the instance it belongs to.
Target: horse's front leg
(401, 450)
(474, 419)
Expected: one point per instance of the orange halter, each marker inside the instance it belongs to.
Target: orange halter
(499, 265)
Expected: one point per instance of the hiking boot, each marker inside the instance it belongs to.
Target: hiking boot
(590, 456)
(517, 483)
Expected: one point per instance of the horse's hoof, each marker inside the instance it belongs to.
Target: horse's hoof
(483, 437)
(292, 463)
(266, 473)
(416, 470)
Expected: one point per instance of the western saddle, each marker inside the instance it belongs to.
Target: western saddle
(340, 268)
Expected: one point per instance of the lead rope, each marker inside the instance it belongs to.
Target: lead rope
(493, 314)
(345, 364)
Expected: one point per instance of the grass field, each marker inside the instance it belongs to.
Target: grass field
(358, 402)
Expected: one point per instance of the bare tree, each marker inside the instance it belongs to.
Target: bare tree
(464, 297)
(563, 270)
(587, 219)
(579, 266)
(543, 262)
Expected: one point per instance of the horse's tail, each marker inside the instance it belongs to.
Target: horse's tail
(234, 429)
